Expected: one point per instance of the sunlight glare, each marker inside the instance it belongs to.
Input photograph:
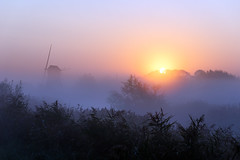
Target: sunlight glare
(162, 70)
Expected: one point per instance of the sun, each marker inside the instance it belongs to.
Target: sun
(162, 70)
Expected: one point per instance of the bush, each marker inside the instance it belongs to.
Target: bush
(56, 132)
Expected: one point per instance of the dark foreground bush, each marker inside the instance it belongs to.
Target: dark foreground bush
(56, 132)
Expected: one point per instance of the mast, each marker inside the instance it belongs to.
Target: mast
(49, 53)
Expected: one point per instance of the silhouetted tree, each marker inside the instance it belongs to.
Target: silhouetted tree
(217, 74)
(136, 95)
(195, 139)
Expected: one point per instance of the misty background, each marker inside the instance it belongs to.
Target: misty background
(98, 45)
(213, 93)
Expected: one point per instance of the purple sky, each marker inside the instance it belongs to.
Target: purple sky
(109, 37)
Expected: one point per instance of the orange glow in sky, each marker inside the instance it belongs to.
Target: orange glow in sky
(120, 37)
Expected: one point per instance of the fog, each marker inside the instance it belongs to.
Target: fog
(213, 93)
(84, 90)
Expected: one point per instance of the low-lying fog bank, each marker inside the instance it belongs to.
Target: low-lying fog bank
(213, 93)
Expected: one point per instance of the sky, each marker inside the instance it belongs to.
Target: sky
(119, 37)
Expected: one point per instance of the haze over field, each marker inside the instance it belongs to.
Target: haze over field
(97, 45)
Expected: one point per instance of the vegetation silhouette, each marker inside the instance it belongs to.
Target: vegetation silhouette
(136, 95)
(217, 74)
(57, 132)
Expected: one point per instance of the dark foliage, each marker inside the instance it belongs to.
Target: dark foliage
(217, 74)
(55, 132)
(136, 95)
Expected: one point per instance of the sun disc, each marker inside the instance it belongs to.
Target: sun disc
(162, 70)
